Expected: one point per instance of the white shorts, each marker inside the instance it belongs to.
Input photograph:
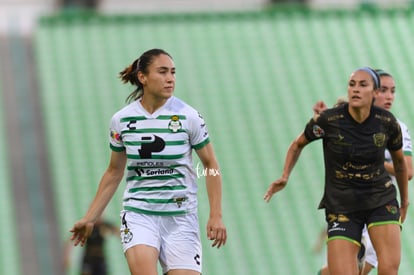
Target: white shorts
(177, 238)
(370, 254)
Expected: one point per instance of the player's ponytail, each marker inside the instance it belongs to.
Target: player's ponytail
(130, 75)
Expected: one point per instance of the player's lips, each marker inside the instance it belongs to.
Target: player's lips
(387, 106)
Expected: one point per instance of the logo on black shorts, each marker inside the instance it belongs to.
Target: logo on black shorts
(392, 209)
(339, 218)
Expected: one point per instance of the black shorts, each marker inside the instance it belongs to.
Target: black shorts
(349, 226)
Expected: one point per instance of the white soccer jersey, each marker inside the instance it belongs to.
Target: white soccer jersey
(161, 179)
(407, 147)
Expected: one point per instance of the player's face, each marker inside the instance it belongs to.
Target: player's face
(159, 82)
(385, 97)
(360, 89)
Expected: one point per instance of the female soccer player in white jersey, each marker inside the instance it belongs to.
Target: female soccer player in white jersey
(153, 136)
(385, 99)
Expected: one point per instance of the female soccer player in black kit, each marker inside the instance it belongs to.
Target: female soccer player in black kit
(94, 260)
(358, 189)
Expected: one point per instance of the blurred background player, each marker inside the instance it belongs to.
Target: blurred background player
(94, 260)
(385, 99)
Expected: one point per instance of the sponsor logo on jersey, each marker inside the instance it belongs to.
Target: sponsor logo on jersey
(318, 131)
(151, 144)
(116, 137)
(154, 172)
(179, 201)
(358, 175)
(335, 117)
(341, 141)
(151, 163)
(383, 117)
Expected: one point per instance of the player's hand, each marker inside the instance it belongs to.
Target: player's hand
(319, 107)
(274, 187)
(216, 231)
(80, 232)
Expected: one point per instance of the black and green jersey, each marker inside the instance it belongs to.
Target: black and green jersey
(355, 177)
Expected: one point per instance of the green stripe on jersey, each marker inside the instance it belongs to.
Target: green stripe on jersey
(168, 117)
(201, 145)
(133, 118)
(133, 167)
(157, 188)
(159, 213)
(157, 156)
(116, 149)
(161, 117)
(160, 201)
(152, 131)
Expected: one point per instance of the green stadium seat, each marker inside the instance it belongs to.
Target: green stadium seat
(9, 248)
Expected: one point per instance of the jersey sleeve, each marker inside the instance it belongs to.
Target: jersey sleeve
(198, 131)
(314, 129)
(115, 135)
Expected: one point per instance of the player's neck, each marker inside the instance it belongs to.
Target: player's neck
(359, 114)
(151, 105)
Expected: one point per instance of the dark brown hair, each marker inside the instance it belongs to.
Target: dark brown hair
(130, 73)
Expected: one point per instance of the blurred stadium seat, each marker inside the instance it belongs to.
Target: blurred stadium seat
(254, 76)
(9, 255)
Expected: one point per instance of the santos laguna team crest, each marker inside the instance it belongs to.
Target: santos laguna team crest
(379, 139)
(175, 124)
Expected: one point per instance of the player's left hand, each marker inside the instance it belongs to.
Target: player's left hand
(216, 231)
